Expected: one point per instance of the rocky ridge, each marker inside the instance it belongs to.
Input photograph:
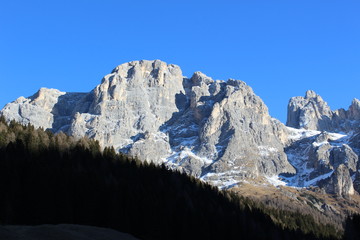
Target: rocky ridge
(313, 113)
(219, 131)
(325, 146)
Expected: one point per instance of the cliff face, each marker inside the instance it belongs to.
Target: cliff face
(313, 113)
(225, 132)
(325, 157)
(219, 131)
(309, 112)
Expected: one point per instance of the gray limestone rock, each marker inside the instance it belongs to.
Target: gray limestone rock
(317, 157)
(340, 182)
(344, 155)
(218, 130)
(327, 155)
(241, 123)
(149, 147)
(355, 140)
(354, 110)
(309, 112)
(137, 97)
(226, 129)
(312, 112)
(48, 108)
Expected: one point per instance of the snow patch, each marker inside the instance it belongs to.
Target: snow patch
(298, 134)
(336, 136)
(223, 180)
(318, 144)
(275, 180)
(188, 153)
(188, 141)
(313, 181)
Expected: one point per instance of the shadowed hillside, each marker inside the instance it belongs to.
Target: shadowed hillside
(51, 179)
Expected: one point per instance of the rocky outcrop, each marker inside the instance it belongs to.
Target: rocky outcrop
(329, 160)
(354, 110)
(309, 112)
(219, 131)
(134, 99)
(340, 182)
(48, 108)
(313, 113)
(325, 154)
(354, 140)
(323, 159)
(226, 125)
(344, 155)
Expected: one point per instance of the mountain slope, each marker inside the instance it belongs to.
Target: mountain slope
(325, 150)
(219, 131)
(47, 179)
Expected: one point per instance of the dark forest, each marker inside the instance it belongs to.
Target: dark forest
(48, 178)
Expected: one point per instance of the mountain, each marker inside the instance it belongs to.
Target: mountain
(328, 155)
(313, 113)
(218, 131)
(57, 179)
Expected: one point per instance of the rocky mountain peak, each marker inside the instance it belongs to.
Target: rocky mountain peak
(354, 110)
(209, 128)
(310, 94)
(219, 131)
(313, 113)
(39, 109)
(340, 182)
(155, 70)
(199, 78)
(309, 112)
(325, 156)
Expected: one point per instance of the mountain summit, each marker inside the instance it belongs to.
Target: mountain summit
(313, 113)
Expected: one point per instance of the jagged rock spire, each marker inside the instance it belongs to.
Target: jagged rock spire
(309, 112)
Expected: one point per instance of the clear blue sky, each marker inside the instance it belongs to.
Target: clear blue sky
(279, 48)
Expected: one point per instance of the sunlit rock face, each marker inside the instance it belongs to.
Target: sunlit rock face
(135, 100)
(48, 108)
(217, 130)
(313, 113)
(309, 112)
(327, 154)
(340, 182)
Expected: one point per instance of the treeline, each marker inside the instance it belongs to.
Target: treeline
(276, 202)
(50, 179)
(297, 220)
